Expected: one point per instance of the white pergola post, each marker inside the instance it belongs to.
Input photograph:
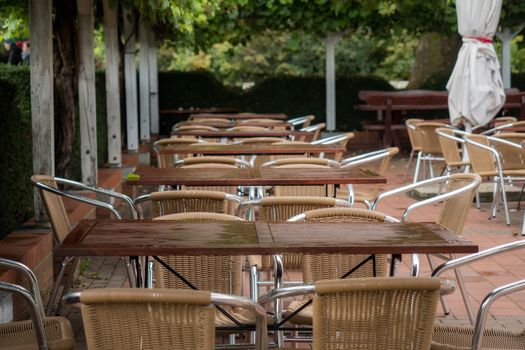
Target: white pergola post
(42, 109)
(330, 41)
(506, 36)
(153, 83)
(112, 83)
(144, 83)
(130, 82)
(86, 93)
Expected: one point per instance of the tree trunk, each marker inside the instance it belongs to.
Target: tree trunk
(65, 82)
(435, 58)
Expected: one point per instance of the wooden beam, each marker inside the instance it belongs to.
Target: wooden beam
(42, 109)
(144, 83)
(112, 82)
(130, 78)
(153, 83)
(86, 93)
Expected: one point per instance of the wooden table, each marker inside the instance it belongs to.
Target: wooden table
(239, 134)
(252, 177)
(153, 238)
(252, 149)
(240, 116)
(230, 123)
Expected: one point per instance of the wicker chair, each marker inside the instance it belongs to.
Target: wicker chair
(275, 209)
(302, 163)
(301, 122)
(183, 201)
(332, 266)
(340, 140)
(449, 141)
(198, 216)
(377, 161)
(501, 128)
(167, 160)
(415, 142)
(157, 318)
(247, 128)
(54, 333)
(52, 197)
(257, 160)
(191, 127)
(370, 313)
(504, 120)
(315, 131)
(453, 337)
(456, 203)
(430, 146)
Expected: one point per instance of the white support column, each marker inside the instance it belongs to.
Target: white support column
(86, 93)
(144, 83)
(153, 83)
(331, 41)
(42, 109)
(112, 82)
(130, 81)
(506, 36)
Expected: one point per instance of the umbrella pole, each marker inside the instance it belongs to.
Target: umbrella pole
(468, 130)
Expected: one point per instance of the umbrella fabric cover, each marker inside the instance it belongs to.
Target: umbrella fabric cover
(475, 87)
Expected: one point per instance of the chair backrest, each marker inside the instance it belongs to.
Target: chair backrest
(274, 209)
(167, 160)
(454, 210)
(247, 128)
(340, 140)
(504, 120)
(301, 162)
(54, 207)
(301, 122)
(192, 127)
(413, 134)
(148, 319)
(205, 161)
(314, 130)
(449, 146)
(508, 147)
(481, 160)
(259, 140)
(428, 137)
(220, 274)
(171, 202)
(332, 266)
(374, 313)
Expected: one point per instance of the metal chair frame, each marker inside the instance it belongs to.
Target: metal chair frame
(426, 156)
(133, 275)
(481, 317)
(31, 296)
(502, 127)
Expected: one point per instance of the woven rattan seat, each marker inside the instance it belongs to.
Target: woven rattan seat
(54, 332)
(156, 318)
(447, 337)
(371, 313)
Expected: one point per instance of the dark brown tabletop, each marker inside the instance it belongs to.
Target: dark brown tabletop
(153, 238)
(247, 177)
(240, 134)
(251, 149)
(240, 116)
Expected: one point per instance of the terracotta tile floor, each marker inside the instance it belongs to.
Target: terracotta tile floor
(480, 278)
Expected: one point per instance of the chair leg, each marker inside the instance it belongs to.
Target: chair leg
(67, 285)
(408, 165)
(430, 169)
(478, 201)
(504, 198)
(54, 293)
(444, 305)
(495, 196)
(418, 165)
(464, 296)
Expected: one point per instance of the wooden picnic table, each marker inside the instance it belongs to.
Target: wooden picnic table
(239, 116)
(252, 177)
(154, 238)
(252, 149)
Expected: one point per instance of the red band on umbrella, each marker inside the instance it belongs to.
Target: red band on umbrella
(481, 39)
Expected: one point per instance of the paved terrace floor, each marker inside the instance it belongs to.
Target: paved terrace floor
(481, 277)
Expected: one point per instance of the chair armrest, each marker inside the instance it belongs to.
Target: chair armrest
(15, 265)
(83, 199)
(454, 138)
(495, 294)
(363, 159)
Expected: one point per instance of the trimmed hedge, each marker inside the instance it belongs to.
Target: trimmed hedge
(291, 95)
(16, 145)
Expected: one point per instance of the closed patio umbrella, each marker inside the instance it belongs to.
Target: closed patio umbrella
(475, 87)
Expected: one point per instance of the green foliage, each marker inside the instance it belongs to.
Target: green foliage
(15, 147)
(14, 20)
(291, 95)
(517, 54)
(272, 53)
